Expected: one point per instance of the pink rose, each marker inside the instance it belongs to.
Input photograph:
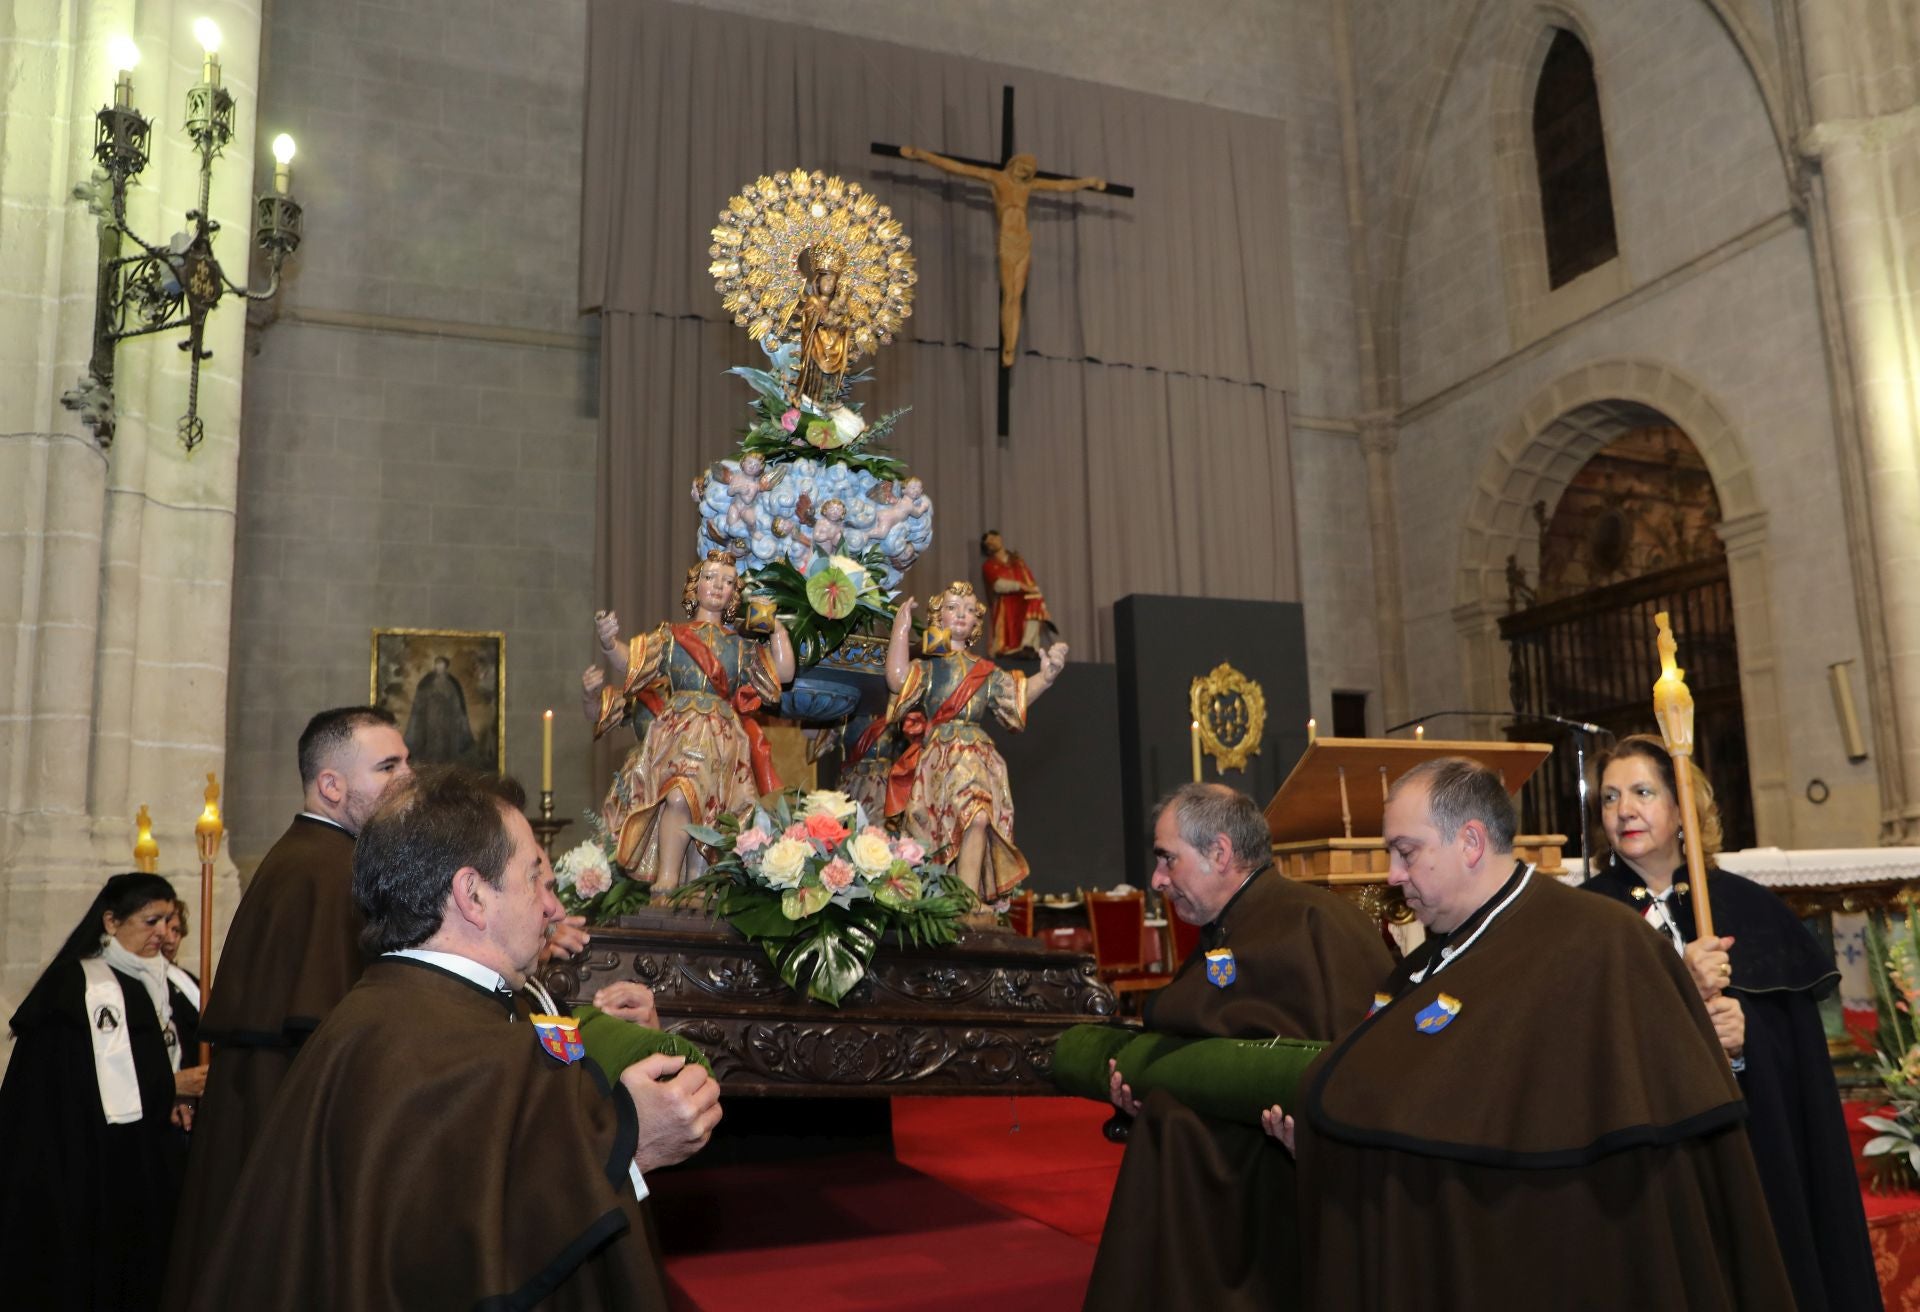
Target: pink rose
(593, 881)
(836, 874)
(874, 831)
(909, 851)
(790, 420)
(751, 840)
(796, 831)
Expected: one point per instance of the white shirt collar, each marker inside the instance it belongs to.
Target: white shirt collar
(327, 820)
(465, 967)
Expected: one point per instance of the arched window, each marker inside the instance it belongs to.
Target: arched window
(1570, 151)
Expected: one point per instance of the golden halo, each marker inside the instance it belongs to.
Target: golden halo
(765, 229)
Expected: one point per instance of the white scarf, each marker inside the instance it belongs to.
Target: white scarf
(188, 986)
(152, 972)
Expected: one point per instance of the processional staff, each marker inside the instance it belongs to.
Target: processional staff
(1673, 708)
(207, 831)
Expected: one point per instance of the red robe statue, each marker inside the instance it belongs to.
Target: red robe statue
(1020, 617)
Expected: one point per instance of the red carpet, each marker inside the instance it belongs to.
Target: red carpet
(971, 1215)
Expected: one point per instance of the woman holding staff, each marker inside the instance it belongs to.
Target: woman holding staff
(1761, 979)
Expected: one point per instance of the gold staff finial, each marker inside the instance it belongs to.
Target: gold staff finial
(146, 852)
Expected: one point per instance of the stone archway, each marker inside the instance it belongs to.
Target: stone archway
(1559, 429)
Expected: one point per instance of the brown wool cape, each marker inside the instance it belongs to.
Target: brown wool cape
(291, 954)
(426, 1153)
(1572, 1138)
(1203, 1210)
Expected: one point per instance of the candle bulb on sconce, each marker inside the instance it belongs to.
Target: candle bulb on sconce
(207, 33)
(124, 56)
(1419, 733)
(1313, 729)
(283, 166)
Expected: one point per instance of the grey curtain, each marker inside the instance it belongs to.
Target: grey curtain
(1149, 447)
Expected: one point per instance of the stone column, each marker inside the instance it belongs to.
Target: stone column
(1746, 541)
(1861, 64)
(116, 562)
(1378, 440)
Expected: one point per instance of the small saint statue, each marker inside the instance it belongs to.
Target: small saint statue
(1021, 624)
(1012, 185)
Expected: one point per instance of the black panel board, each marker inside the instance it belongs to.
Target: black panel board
(1164, 643)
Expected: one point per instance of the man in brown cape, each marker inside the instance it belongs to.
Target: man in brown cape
(1538, 1113)
(1203, 1210)
(292, 952)
(429, 1148)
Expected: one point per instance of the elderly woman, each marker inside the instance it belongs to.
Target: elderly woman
(88, 1175)
(1761, 978)
(949, 784)
(704, 754)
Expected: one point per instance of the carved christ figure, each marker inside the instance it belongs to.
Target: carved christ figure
(1012, 184)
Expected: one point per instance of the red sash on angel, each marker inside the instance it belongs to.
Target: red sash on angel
(745, 699)
(914, 726)
(864, 743)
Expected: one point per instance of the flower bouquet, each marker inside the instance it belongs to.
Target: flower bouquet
(808, 880)
(1896, 979)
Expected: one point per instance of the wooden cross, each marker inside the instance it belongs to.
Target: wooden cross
(1013, 180)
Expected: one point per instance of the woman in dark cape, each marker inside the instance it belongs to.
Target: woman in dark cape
(86, 1204)
(1767, 962)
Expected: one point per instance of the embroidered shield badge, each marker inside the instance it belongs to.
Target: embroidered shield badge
(1222, 970)
(560, 1036)
(1437, 1015)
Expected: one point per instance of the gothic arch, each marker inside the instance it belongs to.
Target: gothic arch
(1537, 454)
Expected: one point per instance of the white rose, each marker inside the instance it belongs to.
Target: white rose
(846, 423)
(785, 862)
(871, 855)
(826, 801)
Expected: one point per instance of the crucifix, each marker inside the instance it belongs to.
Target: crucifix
(1014, 179)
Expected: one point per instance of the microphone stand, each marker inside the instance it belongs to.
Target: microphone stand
(1580, 729)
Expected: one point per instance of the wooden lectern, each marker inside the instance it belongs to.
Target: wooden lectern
(1327, 818)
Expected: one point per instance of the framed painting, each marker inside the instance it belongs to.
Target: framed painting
(448, 691)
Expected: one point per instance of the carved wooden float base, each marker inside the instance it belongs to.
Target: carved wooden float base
(979, 1016)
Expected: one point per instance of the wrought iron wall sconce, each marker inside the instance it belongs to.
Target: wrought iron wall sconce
(177, 285)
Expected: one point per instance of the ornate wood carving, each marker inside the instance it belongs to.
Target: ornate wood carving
(977, 1017)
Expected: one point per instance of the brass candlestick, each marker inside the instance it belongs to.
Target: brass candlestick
(545, 827)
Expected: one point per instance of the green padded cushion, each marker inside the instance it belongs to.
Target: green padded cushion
(616, 1044)
(1230, 1079)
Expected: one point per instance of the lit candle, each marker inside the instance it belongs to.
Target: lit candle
(1312, 729)
(1194, 733)
(546, 752)
(1419, 732)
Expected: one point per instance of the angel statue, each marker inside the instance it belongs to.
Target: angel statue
(704, 755)
(949, 784)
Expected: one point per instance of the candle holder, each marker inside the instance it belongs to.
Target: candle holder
(545, 827)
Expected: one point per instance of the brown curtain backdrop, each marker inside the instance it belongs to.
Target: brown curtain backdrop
(1149, 449)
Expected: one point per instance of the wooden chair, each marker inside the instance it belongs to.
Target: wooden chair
(1182, 939)
(1119, 922)
(1020, 914)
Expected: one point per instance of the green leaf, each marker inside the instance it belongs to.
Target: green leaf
(1885, 1143)
(705, 834)
(829, 960)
